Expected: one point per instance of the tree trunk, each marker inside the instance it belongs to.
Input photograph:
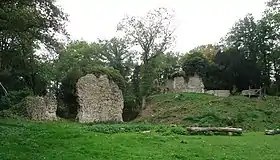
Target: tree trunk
(4, 89)
(228, 130)
(143, 104)
(272, 132)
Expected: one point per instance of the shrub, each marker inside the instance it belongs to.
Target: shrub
(124, 128)
(13, 98)
(178, 130)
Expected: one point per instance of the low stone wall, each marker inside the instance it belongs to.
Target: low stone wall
(41, 108)
(219, 93)
(251, 92)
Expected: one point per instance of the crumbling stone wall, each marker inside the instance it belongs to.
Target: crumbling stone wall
(195, 84)
(100, 100)
(41, 108)
(178, 84)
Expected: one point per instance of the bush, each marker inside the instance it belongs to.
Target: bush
(125, 128)
(13, 98)
(178, 130)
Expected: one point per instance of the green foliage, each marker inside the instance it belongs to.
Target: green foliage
(77, 55)
(154, 35)
(178, 130)
(195, 63)
(28, 140)
(132, 128)
(116, 53)
(152, 32)
(165, 65)
(25, 27)
(208, 50)
(233, 69)
(257, 42)
(13, 98)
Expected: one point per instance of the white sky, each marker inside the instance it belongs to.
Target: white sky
(199, 21)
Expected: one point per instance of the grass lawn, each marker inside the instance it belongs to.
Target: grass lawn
(206, 110)
(71, 141)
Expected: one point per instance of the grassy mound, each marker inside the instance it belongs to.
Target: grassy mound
(20, 140)
(206, 110)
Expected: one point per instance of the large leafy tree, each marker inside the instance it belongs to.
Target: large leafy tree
(116, 53)
(236, 70)
(78, 54)
(195, 63)
(165, 65)
(271, 21)
(209, 50)
(255, 41)
(243, 36)
(154, 34)
(24, 26)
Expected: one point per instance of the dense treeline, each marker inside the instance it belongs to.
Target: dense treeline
(249, 55)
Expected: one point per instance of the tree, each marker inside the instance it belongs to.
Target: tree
(25, 25)
(153, 33)
(243, 36)
(165, 65)
(209, 50)
(236, 70)
(117, 55)
(271, 20)
(31, 21)
(195, 63)
(78, 54)
(253, 40)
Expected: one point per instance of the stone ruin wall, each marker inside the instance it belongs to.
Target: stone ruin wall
(194, 85)
(178, 84)
(100, 100)
(41, 108)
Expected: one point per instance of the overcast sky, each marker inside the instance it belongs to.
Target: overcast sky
(199, 21)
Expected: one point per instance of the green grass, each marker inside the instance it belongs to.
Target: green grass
(70, 141)
(207, 110)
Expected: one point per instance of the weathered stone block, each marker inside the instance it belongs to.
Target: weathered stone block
(178, 84)
(41, 108)
(219, 93)
(100, 100)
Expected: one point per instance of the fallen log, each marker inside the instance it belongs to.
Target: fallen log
(214, 130)
(272, 132)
